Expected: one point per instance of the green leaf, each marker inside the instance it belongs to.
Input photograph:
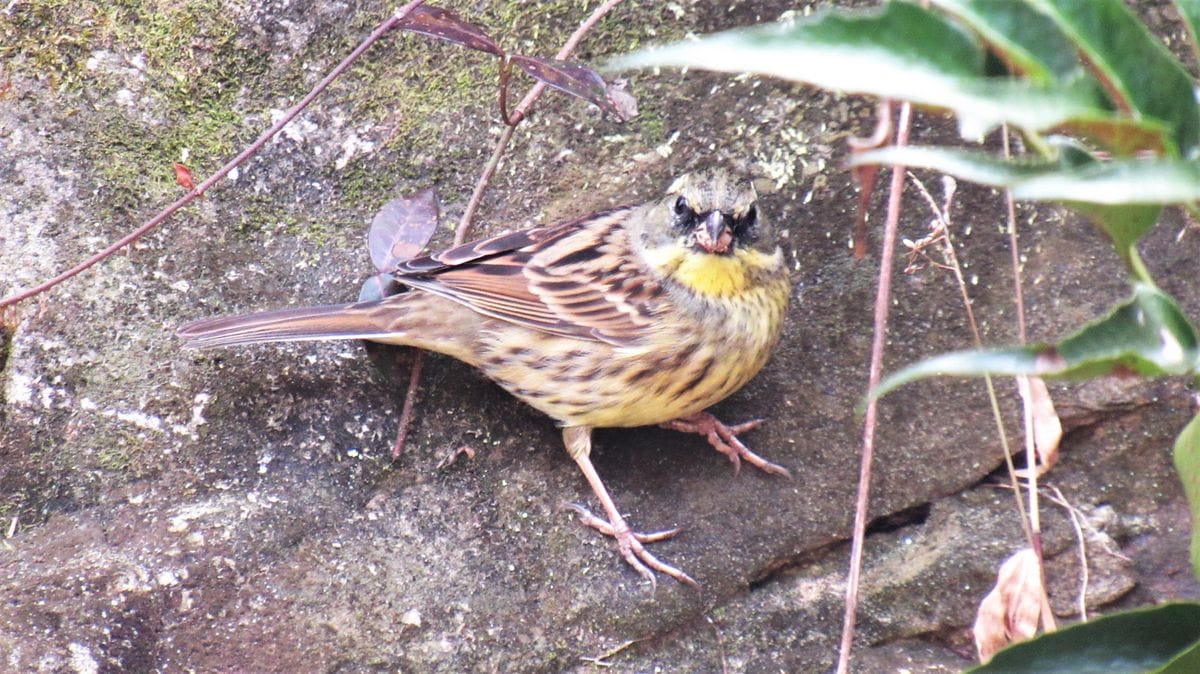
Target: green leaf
(1135, 68)
(1146, 335)
(1148, 181)
(975, 363)
(1029, 41)
(1123, 197)
(1119, 182)
(1125, 224)
(1121, 135)
(898, 50)
(973, 165)
(1190, 11)
(1161, 638)
(1187, 662)
(1149, 335)
(1187, 464)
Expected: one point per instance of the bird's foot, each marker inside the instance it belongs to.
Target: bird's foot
(724, 439)
(630, 542)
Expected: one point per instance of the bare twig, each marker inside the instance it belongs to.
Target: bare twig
(601, 660)
(485, 179)
(1014, 250)
(519, 113)
(410, 399)
(944, 237)
(1033, 530)
(882, 303)
(941, 234)
(1076, 521)
(505, 75)
(1099, 537)
(200, 189)
(1031, 523)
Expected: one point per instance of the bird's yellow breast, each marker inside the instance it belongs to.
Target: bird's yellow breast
(716, 276)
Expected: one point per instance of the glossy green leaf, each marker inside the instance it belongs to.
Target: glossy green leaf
(1157, 639)
(1150, 181)
(1120, 182)
(1135, 68)
(1146, 335)
(973, 165)
(1029, 41)
(1187, 464)
(1124, 197)
(898, 50)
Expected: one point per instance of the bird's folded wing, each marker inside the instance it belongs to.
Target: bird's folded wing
(578, 279)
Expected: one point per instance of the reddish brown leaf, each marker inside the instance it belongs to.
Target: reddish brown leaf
(868, 174)
(446, 25)
(572, 78)
(402, 228)
(183, 176)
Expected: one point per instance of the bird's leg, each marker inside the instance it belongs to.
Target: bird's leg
(724, 439)
(578, 440)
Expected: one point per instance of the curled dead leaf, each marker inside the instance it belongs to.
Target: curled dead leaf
(1013, 609)
(1042, 422)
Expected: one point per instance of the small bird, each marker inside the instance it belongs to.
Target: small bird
(633, 316)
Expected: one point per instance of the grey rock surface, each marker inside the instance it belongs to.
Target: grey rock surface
(238, 510)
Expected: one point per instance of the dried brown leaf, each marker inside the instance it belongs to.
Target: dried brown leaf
(572, 78)
(1013, 609)
(450, 458)
(402, 228)
(990, 632)
(446, 25)
(1043, 421)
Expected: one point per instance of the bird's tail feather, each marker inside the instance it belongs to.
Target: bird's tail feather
(364, 320)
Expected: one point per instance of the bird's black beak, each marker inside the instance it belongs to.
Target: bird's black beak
(715, 232)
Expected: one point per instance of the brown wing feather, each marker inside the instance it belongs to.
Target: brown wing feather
(577, 279)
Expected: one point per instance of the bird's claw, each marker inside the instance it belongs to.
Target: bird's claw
(724, 439)
(630, 542)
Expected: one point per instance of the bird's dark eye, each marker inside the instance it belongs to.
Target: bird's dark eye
(748, 220)
(685, 217)
(744, 226)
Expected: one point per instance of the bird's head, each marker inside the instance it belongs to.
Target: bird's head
(707, 234)
(712, 212)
